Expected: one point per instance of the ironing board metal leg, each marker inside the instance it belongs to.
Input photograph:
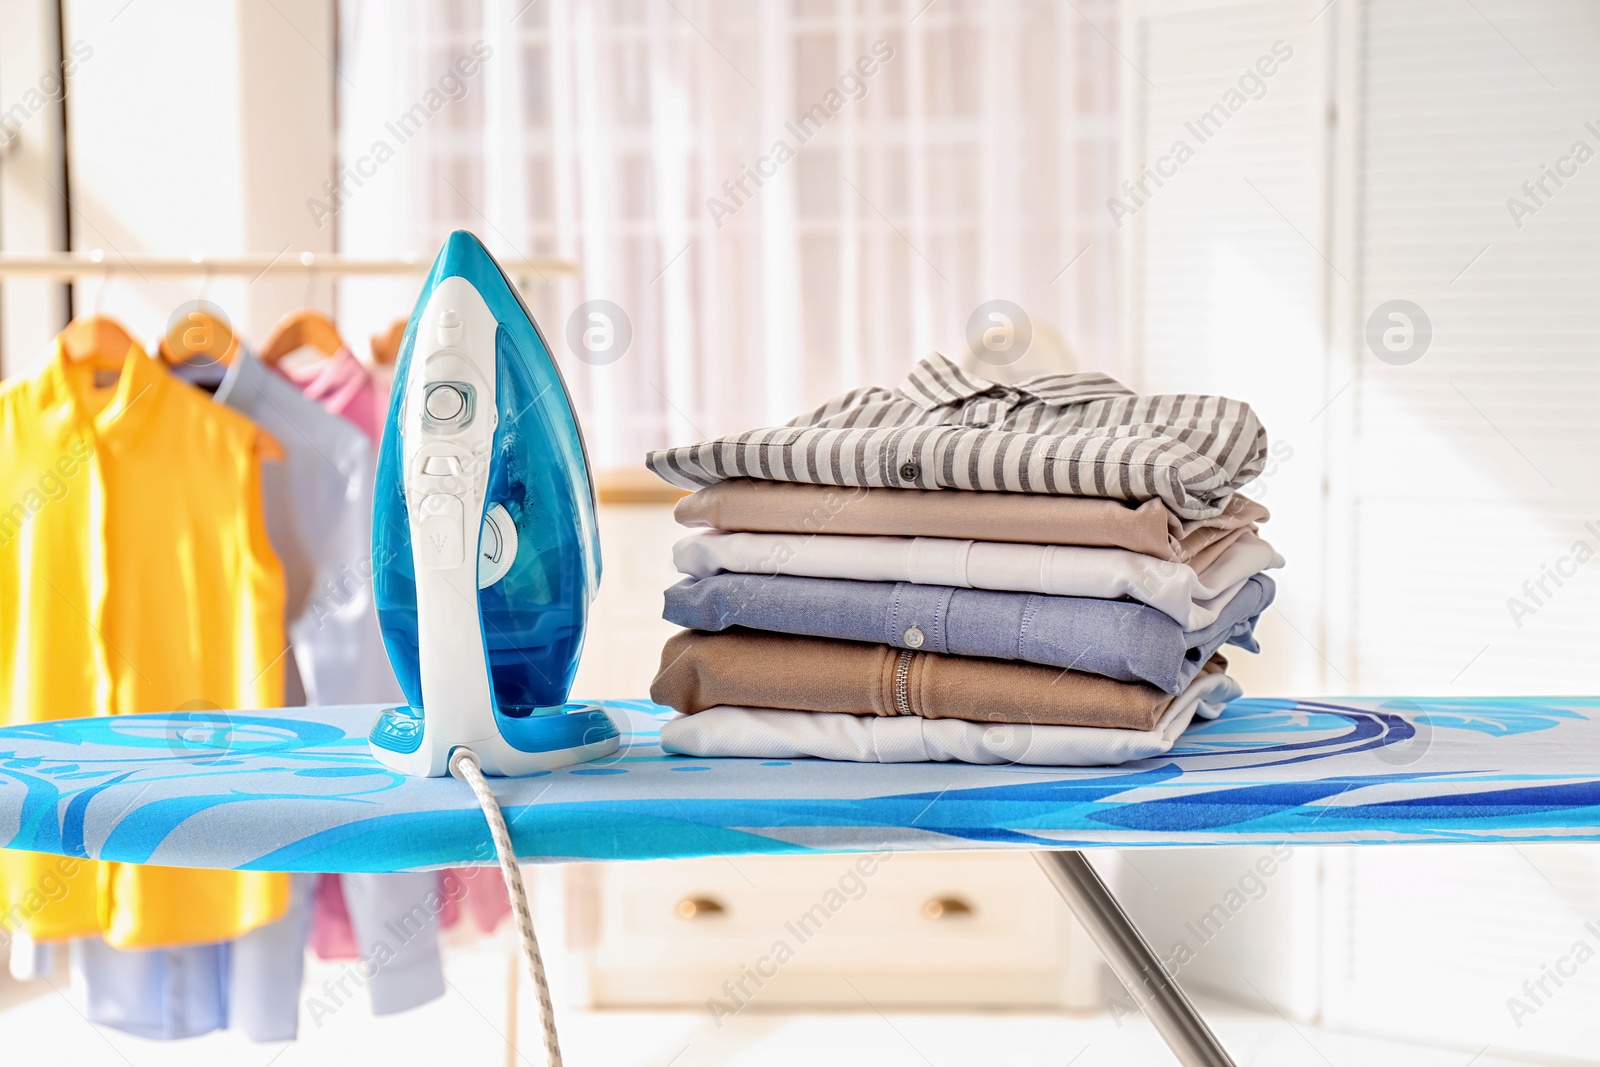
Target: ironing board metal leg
(1131, 959)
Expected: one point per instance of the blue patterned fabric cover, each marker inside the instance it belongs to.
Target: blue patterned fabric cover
(295, 790)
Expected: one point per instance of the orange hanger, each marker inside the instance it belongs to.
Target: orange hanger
(99, 339)
(299, 329)
(268, 448)
(104, 340)
(198, 336)
(386, 345)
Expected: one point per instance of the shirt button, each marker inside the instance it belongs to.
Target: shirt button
(909, 472)
(915, 637)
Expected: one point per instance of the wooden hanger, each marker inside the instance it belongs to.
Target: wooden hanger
(199, 336)
(386, 345)
(97, 339)
(268, 448)
(103, 340)
(299, 329)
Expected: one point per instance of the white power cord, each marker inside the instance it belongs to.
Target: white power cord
(464, 765)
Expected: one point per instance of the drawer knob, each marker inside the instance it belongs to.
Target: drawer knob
(947, 908)
(700, 908)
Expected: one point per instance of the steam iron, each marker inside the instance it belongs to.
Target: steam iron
(485, 550)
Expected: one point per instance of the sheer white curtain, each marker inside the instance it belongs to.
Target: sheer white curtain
(785, 199)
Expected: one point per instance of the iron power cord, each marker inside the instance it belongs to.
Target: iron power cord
(464, 765)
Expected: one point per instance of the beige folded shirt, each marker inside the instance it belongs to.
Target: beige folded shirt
(746, 504)
(768, 670)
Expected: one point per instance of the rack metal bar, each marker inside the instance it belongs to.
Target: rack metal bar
(67, 265)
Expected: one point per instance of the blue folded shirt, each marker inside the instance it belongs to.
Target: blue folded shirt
(1119, 639)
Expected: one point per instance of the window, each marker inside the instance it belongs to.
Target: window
(931, 160)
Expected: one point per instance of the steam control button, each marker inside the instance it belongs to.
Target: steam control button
(441, 465)
(444, 402)
(449, 327)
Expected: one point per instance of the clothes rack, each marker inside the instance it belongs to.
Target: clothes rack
(615, 487)
(67, 265)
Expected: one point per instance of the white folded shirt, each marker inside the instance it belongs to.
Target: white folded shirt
(1055, 570)
(764, 733)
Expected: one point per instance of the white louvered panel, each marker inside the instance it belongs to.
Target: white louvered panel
(1458, 477)
(1475, 466)
(1226, 281)
(1473, 469)
(1435, 941)
(1434, 583)
(1222, 276)
(1226, 297)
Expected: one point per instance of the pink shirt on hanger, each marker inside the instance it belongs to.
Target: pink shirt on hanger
(342, 385)
(466, 893)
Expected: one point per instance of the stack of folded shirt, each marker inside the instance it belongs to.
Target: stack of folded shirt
(959, 570)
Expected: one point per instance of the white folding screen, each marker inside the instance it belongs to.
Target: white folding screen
(1225, 218)
(1474, 466)
(1439, 508)
(936, 156)
(1437, 505)
(1226, 226)
(1469, 472)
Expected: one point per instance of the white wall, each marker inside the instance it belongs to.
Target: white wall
(200, 127)
(32, 173)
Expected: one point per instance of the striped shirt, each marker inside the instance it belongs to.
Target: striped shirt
(1068, 434)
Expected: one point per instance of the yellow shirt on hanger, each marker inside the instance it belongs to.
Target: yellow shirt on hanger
(135, 575)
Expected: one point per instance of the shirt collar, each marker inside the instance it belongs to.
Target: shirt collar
(137, 391)
(937, 382)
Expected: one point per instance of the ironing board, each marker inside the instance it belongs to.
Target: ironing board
(295, 790)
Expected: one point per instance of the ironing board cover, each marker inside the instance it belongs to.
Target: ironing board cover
(296, 790)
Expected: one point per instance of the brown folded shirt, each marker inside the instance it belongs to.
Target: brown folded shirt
(767, 670)
(1024, 518)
